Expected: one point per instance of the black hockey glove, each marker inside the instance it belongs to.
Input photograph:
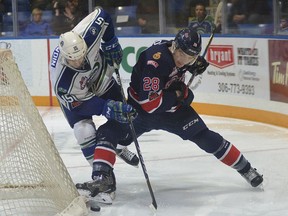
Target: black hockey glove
(199, 66)
(184, 95)
(113, 51)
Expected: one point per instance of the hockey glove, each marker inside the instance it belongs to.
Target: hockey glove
(188, 100)
(119, 111)
(112, 51)
(199, 66)
(184, 95)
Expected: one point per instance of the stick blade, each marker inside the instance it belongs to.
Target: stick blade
(153, 207)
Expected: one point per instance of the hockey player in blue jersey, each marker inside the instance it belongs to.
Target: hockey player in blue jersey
(163, 101)
(81, 72)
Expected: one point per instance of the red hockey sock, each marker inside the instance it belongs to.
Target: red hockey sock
(105, 155)
(228, 154)
(231, 155)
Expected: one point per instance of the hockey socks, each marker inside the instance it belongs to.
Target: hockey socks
(231, 156)
(105, 153)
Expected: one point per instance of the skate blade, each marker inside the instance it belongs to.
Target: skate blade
(260, 187)
(104, 198)
(136, 166)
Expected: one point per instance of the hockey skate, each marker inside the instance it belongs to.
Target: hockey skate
(101, 189)
(252, 177)
(128, 156)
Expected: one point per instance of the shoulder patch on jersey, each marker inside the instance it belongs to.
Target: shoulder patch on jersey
(157, 55)
(154, 63)
(62, 90)
(93, 30)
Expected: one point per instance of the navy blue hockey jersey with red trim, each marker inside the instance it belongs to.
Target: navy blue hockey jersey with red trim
(151, 76)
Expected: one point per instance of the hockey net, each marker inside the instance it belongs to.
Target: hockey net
(33, 178)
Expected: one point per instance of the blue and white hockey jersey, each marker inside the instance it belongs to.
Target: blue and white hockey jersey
(73, 86)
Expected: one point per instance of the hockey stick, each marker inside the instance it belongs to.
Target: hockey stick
(203, 55)
(153, 206)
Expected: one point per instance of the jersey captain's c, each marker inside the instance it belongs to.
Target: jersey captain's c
(151, 76)
(71, 85)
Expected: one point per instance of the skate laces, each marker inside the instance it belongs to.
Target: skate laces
(126, 153)
(251, 174)
(101, 183)
(102, 179)
(253, 177)
(96, 178)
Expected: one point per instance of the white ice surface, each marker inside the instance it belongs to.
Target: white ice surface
(187, 181)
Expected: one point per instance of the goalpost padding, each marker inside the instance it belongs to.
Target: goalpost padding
(33, 177)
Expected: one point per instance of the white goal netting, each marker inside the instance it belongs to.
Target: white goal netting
(33, 178)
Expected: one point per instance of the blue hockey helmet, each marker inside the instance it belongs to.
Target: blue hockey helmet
(189, 41)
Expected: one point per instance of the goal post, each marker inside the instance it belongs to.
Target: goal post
(33, 177)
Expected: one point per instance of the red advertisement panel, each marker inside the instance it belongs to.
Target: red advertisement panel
(220, 56)
(278, 69)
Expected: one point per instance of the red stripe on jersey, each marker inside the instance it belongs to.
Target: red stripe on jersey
(105, 155)
(147, 105)
(152, 105)
(232, 156)
(133, 94)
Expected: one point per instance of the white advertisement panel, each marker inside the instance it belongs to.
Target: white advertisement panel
(31, 57)
(238, 74)
(238, 67)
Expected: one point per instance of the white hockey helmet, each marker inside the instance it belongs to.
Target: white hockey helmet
(72, 46)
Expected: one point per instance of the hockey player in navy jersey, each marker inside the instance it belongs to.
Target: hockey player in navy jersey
(81, 72)
(162, 99)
